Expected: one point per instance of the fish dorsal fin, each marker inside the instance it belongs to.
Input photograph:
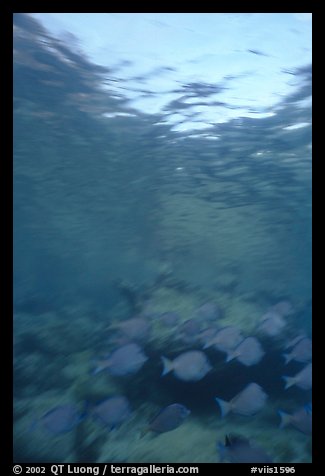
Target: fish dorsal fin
(233, 439)
(227, 441)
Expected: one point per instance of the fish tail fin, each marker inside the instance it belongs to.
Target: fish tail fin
(285, 418)
(96, 370)
(99, 366)
(287, 358)
(289, 382)
(168, 365)
(231, 356)
(208, 344)
(224, 406)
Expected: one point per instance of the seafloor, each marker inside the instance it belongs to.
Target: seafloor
(54, 352)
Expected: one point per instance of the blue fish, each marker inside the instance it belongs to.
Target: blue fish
(189, 366)
(238, 449)
(169, 418)
(301, 352)
(125, 360)
(247, 402)
(169, 319)
(112, 412)
(301, 419)
(302, 379)
(61, 419)
(248, 352)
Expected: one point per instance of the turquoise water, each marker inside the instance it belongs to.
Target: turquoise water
(122, 216)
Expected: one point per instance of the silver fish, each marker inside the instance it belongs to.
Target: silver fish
(302, 379)
(301, 420)
(301, 352)
(127, 359)
(189, 366)
(295, 341)
(190, 329)
(209, 311)
(169, 319)
(248, 352)
(272, 323)
(284, 308)
(225, 339)
(134, 329)
(248, 402)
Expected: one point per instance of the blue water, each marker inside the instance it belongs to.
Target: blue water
(120, 217)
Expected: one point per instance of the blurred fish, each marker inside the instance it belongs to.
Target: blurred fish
(190, 329)
(112, 412)
(284, 308)
(134, 329)
(225, 339)
(295, 341)
(127, 359)
(238, 449)
(209, 311)
(302, 379)
(272, 323)
(168, 418)
(206, 335)
(60, 419)
(301, 420)
(169, 319)
(189, 366)
(248, 402)
(248, 352)
(301, 352)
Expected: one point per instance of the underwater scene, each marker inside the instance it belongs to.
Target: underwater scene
(162, 238)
